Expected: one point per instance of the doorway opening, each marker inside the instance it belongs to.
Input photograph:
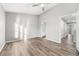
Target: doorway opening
(68, 32)
(43, 30)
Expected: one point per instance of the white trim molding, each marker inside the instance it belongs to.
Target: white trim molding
(2, 47)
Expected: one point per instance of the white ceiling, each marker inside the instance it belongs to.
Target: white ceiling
(26, 8)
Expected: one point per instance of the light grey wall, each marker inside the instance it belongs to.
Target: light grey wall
(2, 27)
(24, 18)
(52, 19)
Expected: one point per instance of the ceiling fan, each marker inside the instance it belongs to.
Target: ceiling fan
(42, 5)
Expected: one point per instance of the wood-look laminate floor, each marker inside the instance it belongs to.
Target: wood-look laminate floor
(37, 47)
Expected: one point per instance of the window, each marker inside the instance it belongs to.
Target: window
(16, 30)
(21, 32)
(25, 33)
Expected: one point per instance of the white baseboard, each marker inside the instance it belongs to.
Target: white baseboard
(12, 41)
(53, 40)
(2, 47)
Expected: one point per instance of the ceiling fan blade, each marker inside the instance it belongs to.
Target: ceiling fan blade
(36, 5)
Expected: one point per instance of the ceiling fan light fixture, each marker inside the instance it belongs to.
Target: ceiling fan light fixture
(42, 5)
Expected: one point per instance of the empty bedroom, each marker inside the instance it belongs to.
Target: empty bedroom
(39, 29)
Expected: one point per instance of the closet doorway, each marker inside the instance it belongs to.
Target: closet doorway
(43, 30)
